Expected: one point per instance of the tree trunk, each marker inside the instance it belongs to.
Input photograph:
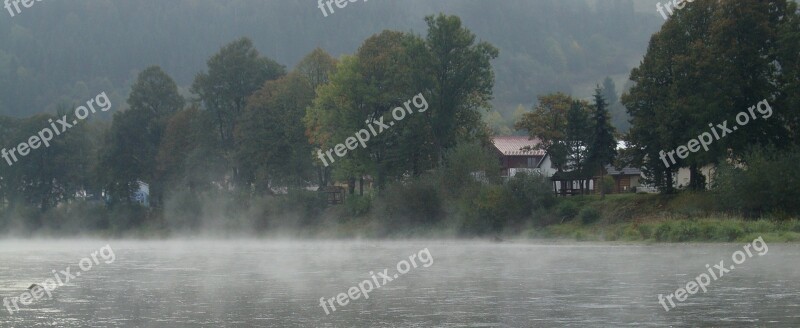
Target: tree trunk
(669, 187)
(697, 182)
(601, 183)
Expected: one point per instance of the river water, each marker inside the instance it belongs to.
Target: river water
(257, 283)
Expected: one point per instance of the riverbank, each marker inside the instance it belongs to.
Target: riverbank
(687, 217)
(649, 218)
(671, 231)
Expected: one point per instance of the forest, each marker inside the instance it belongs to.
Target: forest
(59, 57)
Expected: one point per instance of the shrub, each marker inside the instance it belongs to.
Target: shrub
(636, 231)
(608, 184)
(793, 225)
(727, 231)
(412, 203)
(298, 208)
(357, 205)
(589, 215)
(184, 210)
(631, 233)
(760, 226)
(567, 210)
(685, 230)
(123, 217)
(767, 183)
(489, 211)
(531, 192)
(465, 159)
(664, 231)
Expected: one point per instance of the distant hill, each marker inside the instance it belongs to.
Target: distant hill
(64, 52)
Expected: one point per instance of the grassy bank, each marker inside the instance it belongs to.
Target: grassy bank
(688, 217)
(684, 230)
(419, 210)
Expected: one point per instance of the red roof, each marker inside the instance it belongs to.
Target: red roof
(512, 146)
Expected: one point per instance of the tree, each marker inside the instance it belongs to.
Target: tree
(48, 175)
(188, 156)
(394, 66)
(709, 62)
(787, 52)
(463, 81)
(388, 69)
(577, 139)
(234, 74)
(317, 67)
(135, 135)
(603, 146)
(336, 113)
(619, 117)
(548, 122)
(272, 147)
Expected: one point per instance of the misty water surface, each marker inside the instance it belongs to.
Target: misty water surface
(213, 283)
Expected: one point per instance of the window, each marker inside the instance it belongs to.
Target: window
(531, 161)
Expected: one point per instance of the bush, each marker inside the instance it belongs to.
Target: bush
(123, 217)
(685, 231)
(760, 226)
(727, 231)
(488, 212)
(589, 215)
(608, 184)
(567, 210)
(531, 192)
(631, 233)
(663, 231)
(767, 183)
(412, 203)
(462, 161)
(76, 217)
(646, 230)
(357, 205)
(183, 210)
(297, 209)
(636, 231)
(688, 230)
(793, 225)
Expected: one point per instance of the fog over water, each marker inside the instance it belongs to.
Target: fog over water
(253, 283)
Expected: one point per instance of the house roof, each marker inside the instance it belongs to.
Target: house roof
(512, 146)
(624, 171)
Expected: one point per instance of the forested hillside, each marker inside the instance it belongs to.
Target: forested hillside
(83, 47)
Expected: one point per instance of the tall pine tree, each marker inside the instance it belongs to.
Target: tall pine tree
(603, 147)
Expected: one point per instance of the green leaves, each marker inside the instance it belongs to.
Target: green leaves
(272, 148)
(710, 61)
(449, 68)
(135, 135)
(234, 73)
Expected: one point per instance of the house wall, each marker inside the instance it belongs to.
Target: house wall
(635, 181)
(509, 162)
(547, 167)
(682, 178)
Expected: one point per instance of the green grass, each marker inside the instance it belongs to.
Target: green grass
(672, 231)
(685, 217)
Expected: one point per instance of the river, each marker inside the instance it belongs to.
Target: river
(268, 283)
